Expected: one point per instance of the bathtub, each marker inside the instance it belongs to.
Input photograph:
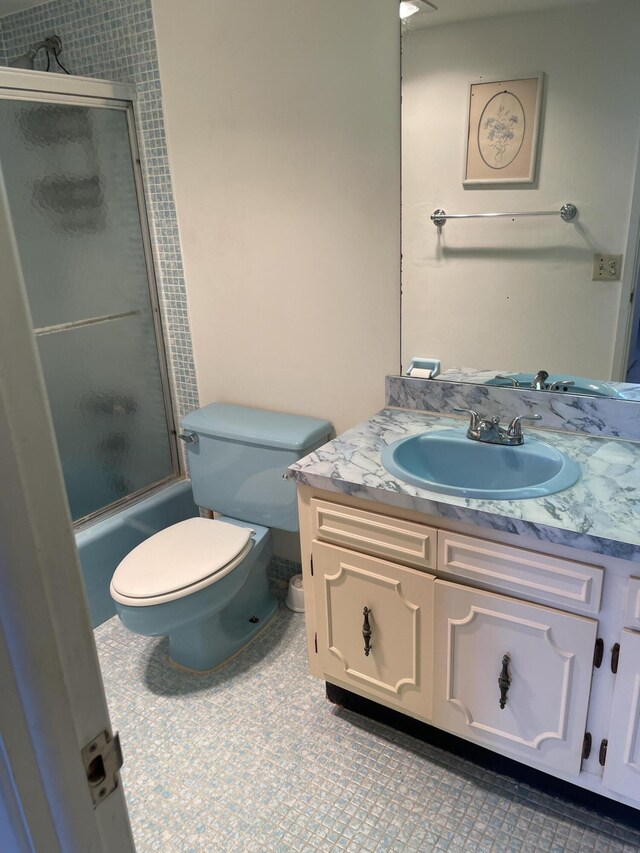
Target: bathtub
(102, 544)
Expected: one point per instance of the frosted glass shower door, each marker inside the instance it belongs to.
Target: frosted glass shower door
(71, 185)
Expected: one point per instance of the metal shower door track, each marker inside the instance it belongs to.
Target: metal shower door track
(46, 83)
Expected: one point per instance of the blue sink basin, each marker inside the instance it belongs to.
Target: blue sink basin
(447, 461)
(581, 385)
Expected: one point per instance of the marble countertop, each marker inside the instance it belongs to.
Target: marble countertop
(601, 513)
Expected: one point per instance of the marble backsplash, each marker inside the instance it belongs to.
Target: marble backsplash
(560, 411)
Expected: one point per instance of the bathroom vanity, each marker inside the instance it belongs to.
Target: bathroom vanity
(511, 624)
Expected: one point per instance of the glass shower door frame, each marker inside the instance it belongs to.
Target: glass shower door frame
(37, 86)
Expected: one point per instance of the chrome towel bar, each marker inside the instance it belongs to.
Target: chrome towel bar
(567, 212)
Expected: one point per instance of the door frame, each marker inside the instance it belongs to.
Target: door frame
(627, 307)
(53, 701)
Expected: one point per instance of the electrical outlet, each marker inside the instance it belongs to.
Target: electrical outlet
(606, 267)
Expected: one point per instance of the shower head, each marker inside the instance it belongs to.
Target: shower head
(27, 60)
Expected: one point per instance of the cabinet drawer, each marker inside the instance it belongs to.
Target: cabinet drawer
(632, 612)
(515, 571)
(378, 535)
(386, 655)
(539, 713)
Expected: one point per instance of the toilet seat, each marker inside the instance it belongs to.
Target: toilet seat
(179, 560)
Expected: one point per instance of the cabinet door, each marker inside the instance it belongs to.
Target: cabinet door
(622, 767)
(547, 658)
(398, 668)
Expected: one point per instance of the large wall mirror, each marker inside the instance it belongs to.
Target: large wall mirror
(516, 295)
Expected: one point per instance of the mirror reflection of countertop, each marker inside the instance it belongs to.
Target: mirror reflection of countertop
(601, 513)
(626, 390)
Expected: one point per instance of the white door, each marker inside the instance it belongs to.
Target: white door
(622, 766)
(375, 627)
(513, 676)
(53, 702)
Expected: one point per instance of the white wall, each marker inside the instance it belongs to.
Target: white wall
(284, 142)
(518, 294)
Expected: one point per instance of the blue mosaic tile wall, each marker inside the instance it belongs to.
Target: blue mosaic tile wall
(281, 570)
(115, 40)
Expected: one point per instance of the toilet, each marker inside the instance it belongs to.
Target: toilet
(203, 582)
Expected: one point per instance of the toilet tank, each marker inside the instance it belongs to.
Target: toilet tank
(237, 463)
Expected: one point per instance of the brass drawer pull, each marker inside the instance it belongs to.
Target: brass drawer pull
(366, 632)
(504, 682)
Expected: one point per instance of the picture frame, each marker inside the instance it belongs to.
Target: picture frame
(503, 129)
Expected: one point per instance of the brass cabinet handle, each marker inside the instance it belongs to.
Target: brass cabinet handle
(504, 682)
(366, 632)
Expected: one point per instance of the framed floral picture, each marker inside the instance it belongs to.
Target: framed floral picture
(503, 125)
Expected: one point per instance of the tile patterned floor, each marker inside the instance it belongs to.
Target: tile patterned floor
(254, 758)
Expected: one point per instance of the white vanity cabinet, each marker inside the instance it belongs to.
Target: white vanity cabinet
(478, 636)
(435, 648)
(622, 765)
(374, 627)
(512, 676)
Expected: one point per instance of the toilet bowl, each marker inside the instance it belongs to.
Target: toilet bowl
(203, 582)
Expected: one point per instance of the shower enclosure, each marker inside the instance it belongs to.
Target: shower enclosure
(70, 163)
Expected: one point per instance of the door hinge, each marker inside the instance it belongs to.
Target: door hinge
(615, 657)
(598, 653)
(602, 755)
(311, 561)
(586, 745)
(102, 758)
(316, 643)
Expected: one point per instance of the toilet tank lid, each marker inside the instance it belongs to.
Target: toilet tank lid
(257, 426)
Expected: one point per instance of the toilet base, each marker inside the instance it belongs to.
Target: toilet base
(256, 628)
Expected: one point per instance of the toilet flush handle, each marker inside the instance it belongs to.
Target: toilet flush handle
(189, 437)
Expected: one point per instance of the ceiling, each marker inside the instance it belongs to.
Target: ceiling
(459, 10)
(448, 10)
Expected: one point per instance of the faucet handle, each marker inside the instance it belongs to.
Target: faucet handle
(509, 378)
(474, 429)
(475, 417)
(515, 427)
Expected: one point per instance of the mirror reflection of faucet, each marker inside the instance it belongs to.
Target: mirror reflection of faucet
(489, 431)
(560, 385)
(539, 379)
(540, 382)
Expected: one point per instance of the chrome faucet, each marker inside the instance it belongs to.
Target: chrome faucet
(539, 379)
(489, 431)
